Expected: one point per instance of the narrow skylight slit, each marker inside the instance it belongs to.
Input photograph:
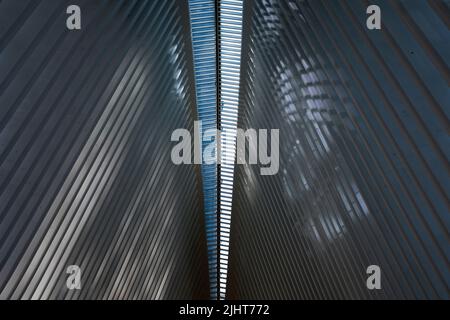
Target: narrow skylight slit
(230, 38)
(203, 30)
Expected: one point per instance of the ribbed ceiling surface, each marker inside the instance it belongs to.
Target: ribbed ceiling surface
(364, 151)
(86, 176)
